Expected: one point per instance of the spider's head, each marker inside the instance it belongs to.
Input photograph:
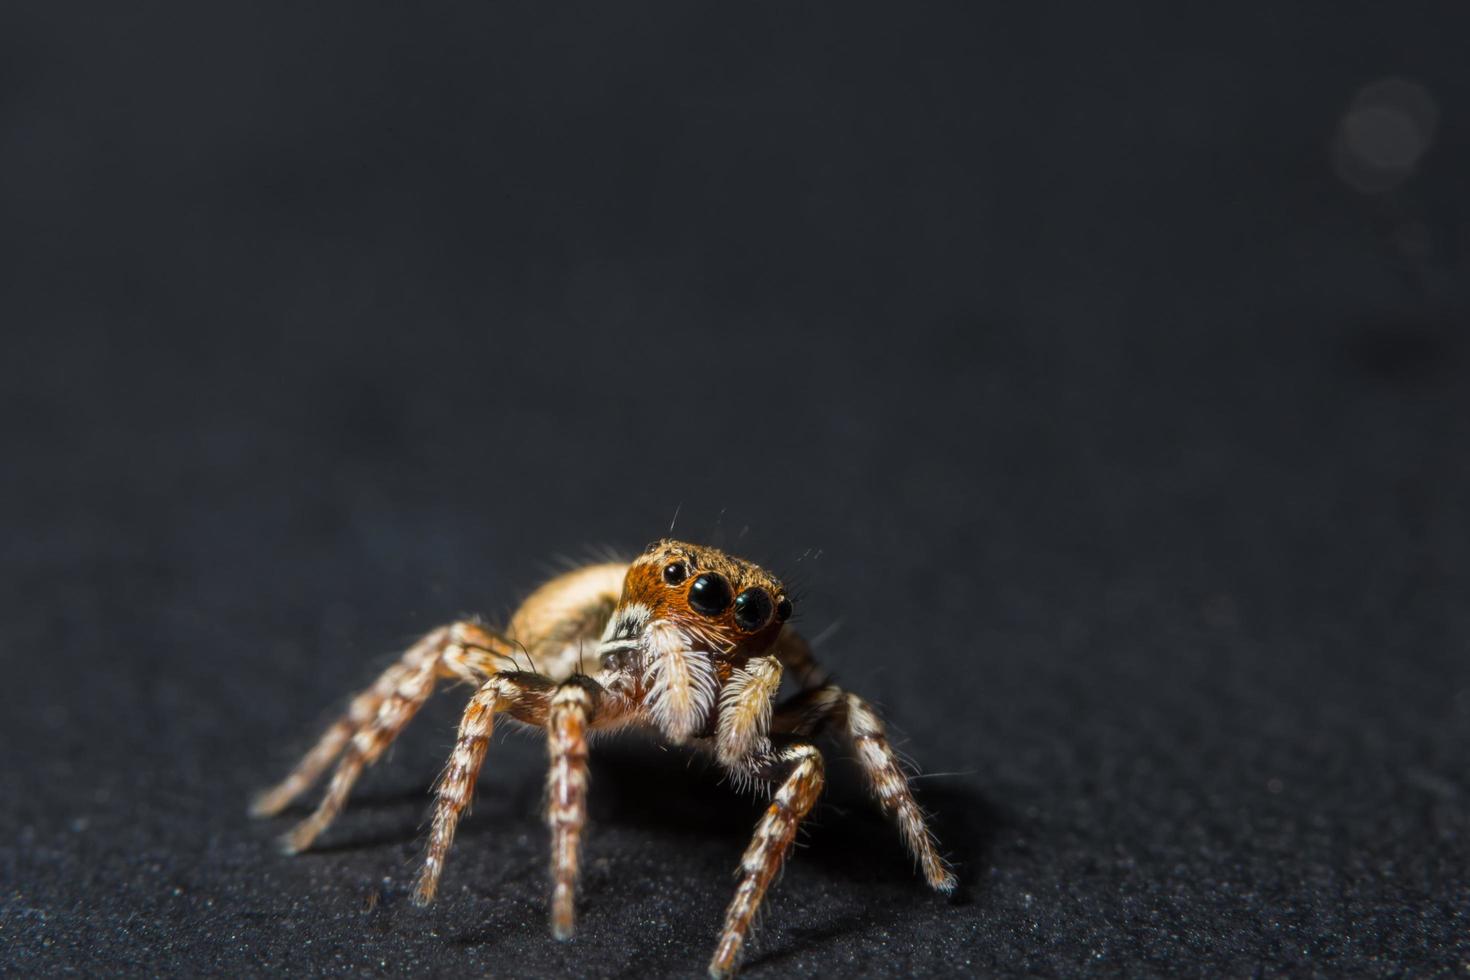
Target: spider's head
(729, 606)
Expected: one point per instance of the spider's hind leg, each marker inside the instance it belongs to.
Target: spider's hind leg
(374, 719)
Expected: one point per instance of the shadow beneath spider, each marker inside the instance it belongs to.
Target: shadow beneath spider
(643, 785)
(339, 837)
(384, 798)
(521, 801)
(368, 842)
(803, 939)
(302, 807)
(674, 793)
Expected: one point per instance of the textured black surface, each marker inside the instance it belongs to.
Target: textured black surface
(1121, 439)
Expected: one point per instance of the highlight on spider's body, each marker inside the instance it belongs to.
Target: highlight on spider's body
(686, 642)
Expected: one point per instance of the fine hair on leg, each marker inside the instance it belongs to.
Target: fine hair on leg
(461, 649)
(409, 694)
(572, 712)
(524, 696)
(811, 711)
(773, 837)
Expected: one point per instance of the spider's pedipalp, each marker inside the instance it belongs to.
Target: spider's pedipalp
(681, 681)
(745, 713)
(803, 782)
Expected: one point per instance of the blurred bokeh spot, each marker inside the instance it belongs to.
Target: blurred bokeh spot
(1384, 133)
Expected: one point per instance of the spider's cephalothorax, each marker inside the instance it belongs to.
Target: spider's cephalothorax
(688, 620)
(685, 640)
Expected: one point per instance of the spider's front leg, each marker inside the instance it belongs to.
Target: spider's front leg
(802, 767)
(810, 711)
(743, 746)
(375, 718)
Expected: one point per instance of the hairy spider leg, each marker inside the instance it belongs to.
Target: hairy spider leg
(802, 764)
(574, 707)
(375, 718)
(813, 710)
(523, 696)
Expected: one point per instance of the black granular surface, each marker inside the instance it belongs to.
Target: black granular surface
(1098, 375)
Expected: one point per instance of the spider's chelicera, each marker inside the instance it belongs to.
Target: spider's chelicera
(691, 643)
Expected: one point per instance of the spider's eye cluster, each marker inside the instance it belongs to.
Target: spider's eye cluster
(753, 609)
(709, 594)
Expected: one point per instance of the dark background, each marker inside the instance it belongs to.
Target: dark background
(1099, 372)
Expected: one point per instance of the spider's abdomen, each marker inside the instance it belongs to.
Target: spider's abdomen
(560, 623)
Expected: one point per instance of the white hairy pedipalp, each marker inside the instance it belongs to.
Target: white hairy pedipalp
(680, 680)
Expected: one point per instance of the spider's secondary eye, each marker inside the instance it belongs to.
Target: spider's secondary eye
(752, 609)
(783, 610)
(709, 594)
(675, 572)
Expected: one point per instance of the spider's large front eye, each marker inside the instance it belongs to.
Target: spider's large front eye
(709, 594)
(675, 572)
(752, 609)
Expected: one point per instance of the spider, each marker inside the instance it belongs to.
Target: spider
(687, 641)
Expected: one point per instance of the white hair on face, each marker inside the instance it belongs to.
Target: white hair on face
(680, 680)
(627, 622)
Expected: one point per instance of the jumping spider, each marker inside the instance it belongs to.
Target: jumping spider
(686, 640)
